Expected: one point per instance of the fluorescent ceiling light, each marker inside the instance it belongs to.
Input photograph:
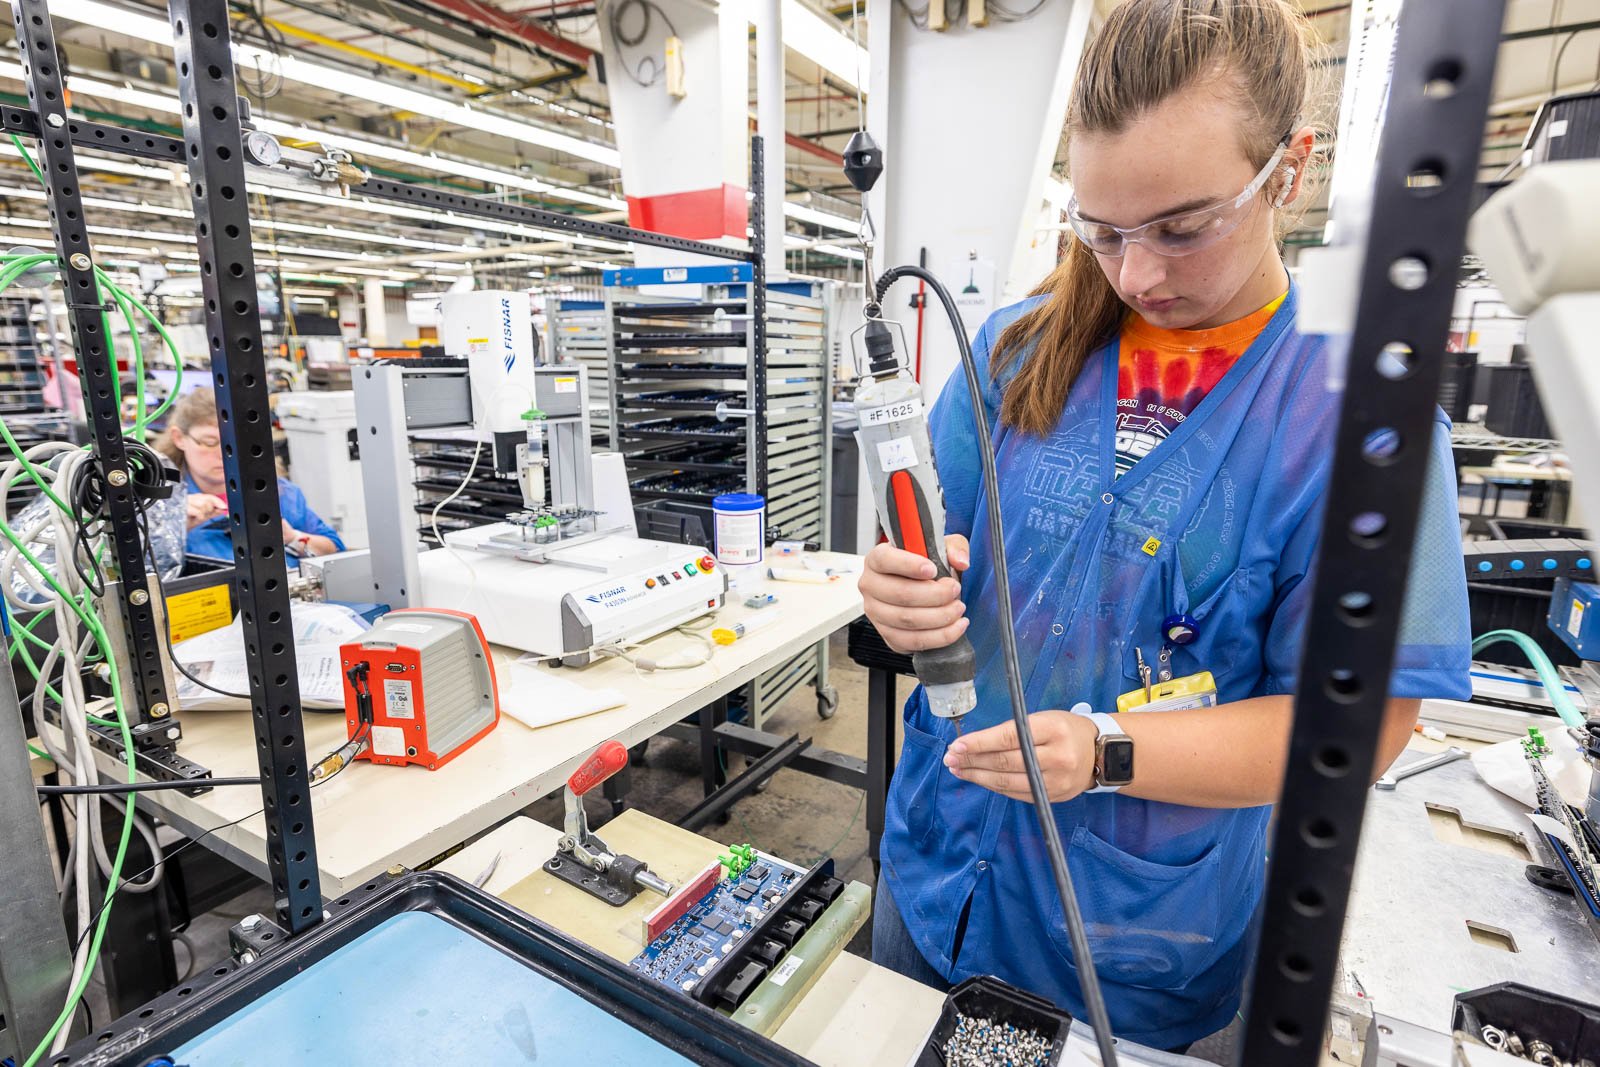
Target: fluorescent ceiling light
(433, 162)
(361, 87)
(826, 219)
(820, 40)
(377, 150)
(110, 166)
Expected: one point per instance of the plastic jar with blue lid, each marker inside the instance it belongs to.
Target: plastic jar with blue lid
(741, 528)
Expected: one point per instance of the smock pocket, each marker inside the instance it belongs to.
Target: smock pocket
(1150, 925)
(922, 764)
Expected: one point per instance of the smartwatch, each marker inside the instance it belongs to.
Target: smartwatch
(1113, 754)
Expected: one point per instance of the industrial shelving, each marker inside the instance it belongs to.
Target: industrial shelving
(577, 333)
(706, 399)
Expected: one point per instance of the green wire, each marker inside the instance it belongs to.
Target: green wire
(84, 611)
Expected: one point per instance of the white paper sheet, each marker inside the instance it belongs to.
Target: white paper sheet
(217, 658)
(538, 698)
(1547, 825)
(1504, 767)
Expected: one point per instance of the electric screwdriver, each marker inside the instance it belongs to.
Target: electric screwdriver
(893, 439)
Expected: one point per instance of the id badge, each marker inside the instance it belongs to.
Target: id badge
(1180, 694)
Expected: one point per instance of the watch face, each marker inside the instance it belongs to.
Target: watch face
(1116, 767)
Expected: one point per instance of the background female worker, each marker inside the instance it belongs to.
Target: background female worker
(1164, 438)
(194, 443)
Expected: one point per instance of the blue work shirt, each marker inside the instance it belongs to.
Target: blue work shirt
(213, 539)
(1221, 521)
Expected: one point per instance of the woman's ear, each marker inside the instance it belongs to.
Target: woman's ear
(1295, 162)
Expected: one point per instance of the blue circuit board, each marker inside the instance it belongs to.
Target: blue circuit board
(688, 950)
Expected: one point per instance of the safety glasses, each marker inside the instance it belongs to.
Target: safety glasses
(1182, 234)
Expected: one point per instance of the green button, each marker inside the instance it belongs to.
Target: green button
(688, 568)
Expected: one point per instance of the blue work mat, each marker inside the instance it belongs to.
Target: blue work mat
(417, 989)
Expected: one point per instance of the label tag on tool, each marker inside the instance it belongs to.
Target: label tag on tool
(1180, 694)
(897, 454)
(903, 409)
(388, 741)
(397, 699)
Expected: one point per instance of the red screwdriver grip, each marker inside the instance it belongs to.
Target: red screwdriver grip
(605, 761)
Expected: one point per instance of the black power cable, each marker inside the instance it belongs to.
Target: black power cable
(1088, 980)
(138, 787)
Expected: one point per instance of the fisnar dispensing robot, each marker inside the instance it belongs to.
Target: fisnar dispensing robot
(557, 576)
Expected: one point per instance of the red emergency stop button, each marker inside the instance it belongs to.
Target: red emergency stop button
(706, 562)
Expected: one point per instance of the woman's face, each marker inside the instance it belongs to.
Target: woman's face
(202, 452)
(1181, 155)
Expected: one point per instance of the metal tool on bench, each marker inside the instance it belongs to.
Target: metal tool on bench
(1392, 779)
(584, 860)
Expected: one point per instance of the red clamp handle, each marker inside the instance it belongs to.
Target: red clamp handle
(605, 761)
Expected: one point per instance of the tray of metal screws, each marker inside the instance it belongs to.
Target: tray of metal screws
(1531, 1024)
(988, 1023)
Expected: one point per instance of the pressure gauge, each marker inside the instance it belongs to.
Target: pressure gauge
(262, 148)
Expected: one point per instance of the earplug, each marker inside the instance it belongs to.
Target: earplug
(1288, 186)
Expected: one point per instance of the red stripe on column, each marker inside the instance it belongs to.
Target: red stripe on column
(699, 215)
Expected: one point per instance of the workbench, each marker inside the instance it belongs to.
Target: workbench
(1440, 903)
(855, 1013)
(369, 818)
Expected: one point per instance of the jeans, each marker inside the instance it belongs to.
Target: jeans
(892, 946)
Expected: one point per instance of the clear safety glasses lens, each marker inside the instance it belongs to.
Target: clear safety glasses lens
(1174, 235)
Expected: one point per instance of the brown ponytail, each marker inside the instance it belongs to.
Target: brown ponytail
(1147, 51)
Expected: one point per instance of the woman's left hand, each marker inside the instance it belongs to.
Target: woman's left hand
(992, 758)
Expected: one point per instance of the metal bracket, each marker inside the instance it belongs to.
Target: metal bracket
(253, 937)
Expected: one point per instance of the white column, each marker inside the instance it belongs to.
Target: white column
(770, 124)
(377, 315)
(969, 120)
(684, 160)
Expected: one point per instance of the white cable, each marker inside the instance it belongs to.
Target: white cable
(433, 519)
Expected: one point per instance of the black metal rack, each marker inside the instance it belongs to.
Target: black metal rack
(699, 408)
(712, 395)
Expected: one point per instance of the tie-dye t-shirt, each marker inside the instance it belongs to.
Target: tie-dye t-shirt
(1164, 374)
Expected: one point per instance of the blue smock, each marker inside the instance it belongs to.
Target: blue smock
(1168, 892)
(213, 539)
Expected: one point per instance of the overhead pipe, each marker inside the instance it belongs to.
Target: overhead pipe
(367, 54)
(525, 29)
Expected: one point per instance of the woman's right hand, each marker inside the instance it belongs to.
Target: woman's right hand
(911, 611)
(203, 507)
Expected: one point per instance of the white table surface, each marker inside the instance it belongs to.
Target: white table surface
(369, 818)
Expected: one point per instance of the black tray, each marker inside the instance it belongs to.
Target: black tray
(673, 1020)
(987, 997)
(1570, 1027)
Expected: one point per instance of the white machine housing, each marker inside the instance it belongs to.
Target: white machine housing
(1537, 238)
(493, 331)
(558, 582)
(614, 589)
(323, 458)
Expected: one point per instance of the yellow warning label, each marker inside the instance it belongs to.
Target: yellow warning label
(1152, 546)
(477, 340)
(198, 611)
